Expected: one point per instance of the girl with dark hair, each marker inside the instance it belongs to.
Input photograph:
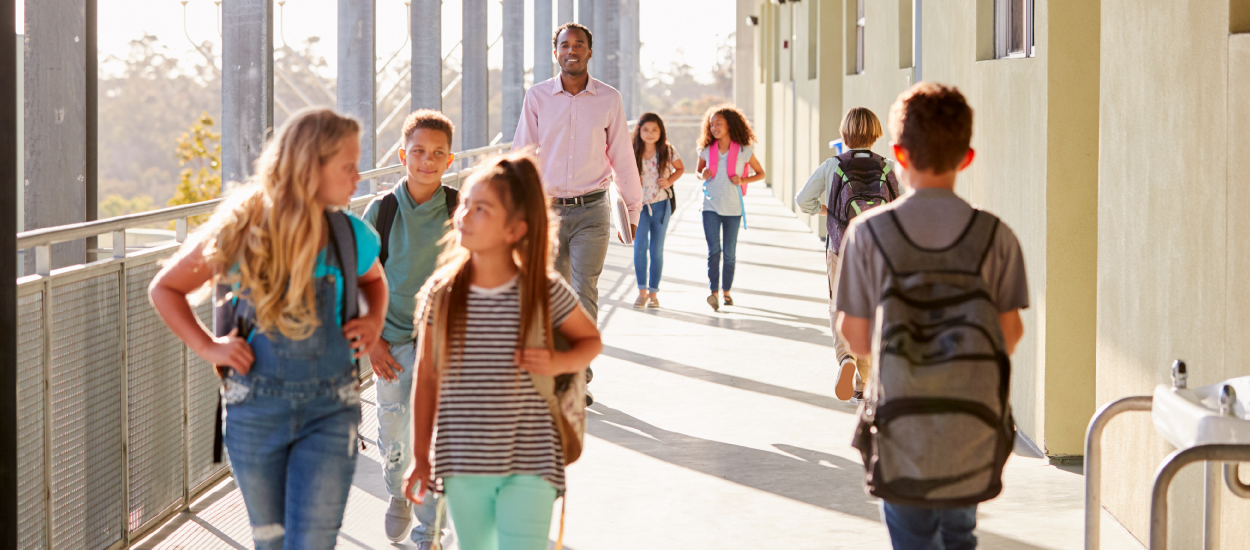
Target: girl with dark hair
(486, 341)
(659, 166)
(724, 154)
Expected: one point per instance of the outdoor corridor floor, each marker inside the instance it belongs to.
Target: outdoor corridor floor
(711, 430)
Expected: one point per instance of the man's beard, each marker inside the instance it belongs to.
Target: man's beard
(571, 73)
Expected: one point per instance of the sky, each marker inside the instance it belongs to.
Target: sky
(667, 31)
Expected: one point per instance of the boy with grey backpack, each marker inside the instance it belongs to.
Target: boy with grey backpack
(931, 287)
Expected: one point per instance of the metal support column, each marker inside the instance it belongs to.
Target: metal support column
(427, 54)
(542, 45)
(513, 64)
(246, 85)
(10, 148)
(474, 90)
(607, 57)
(55, 126)
(564, 12)
(357, 70)
(629, 55)
(91, 98)
(586, 16)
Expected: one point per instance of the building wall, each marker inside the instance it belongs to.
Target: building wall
(1171, 281)
(1115, 153)
(1010, 178)
(1016, 124)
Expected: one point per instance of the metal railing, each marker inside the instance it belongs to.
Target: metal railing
(116, 415)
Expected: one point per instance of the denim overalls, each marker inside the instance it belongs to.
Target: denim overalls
(290, 431)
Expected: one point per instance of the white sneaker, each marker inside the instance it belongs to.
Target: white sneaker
(398, 520)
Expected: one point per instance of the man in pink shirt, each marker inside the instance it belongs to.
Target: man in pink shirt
(578, 124)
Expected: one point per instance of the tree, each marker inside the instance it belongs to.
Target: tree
(116, 205)
(145, 100)
(199, 156)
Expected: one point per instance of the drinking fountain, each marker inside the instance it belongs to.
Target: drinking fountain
(1209, 424)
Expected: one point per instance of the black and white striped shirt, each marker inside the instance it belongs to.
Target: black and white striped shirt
(491, 420)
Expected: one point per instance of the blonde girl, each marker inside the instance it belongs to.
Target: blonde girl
(498, 453)
(291, 395)
(724, 154)
(660, 167)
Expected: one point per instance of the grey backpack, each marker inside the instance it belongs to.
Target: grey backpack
(936, 429)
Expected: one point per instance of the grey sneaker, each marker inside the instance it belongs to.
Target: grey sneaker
(425, 545)
(398, 521)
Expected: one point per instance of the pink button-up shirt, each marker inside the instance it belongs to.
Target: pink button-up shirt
(583, 142)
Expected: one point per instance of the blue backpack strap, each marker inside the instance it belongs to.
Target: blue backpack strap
(743, 205)
(343, 241)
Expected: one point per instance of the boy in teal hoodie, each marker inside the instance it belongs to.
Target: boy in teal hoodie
(412, 220)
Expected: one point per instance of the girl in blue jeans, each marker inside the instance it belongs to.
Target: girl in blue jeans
(292, 396)
(498, 451)
(724, 154)
(660, 167)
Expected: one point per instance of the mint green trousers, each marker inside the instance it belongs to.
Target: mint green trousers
(500, 512)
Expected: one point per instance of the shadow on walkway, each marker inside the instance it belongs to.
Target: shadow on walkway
(696, 373)
(812, 477)
(835, 486)
(761, 327)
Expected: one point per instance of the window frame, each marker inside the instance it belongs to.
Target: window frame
(860, 31)
(1003, 17)
(813, 41)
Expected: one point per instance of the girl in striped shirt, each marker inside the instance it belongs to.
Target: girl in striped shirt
(498, 451)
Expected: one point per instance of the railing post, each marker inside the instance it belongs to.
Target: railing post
(180, 230)
(47, 408)
(1093, 460)
(119, 246)
(43, 260)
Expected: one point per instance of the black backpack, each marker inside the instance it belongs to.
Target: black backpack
(861, 186)
(390, 206)
(230, 313)
(936, 429)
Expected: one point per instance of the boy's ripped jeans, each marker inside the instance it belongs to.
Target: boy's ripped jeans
(863, 365)
(395, 436)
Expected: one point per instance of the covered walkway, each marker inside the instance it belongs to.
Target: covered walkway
(712, 430)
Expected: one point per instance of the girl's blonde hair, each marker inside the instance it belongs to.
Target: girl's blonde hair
(272, 227)
(860, 128)
(515, 180)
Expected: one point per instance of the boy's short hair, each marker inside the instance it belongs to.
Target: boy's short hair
(555, 38)
(860, 128)
(933, 123)
(429, 120)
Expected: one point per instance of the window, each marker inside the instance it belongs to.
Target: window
(1238, 16)
(906, 32)
(777, 42)
(1013, 28)
(859, 36)
(813, 39)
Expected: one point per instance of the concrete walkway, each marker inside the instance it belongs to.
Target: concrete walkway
(713, 430)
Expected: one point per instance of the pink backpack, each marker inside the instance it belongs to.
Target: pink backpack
(732, 163)
(713, 156)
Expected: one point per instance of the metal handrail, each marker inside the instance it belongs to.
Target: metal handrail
(1093, 461)
(64, 233)
(41, 240)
